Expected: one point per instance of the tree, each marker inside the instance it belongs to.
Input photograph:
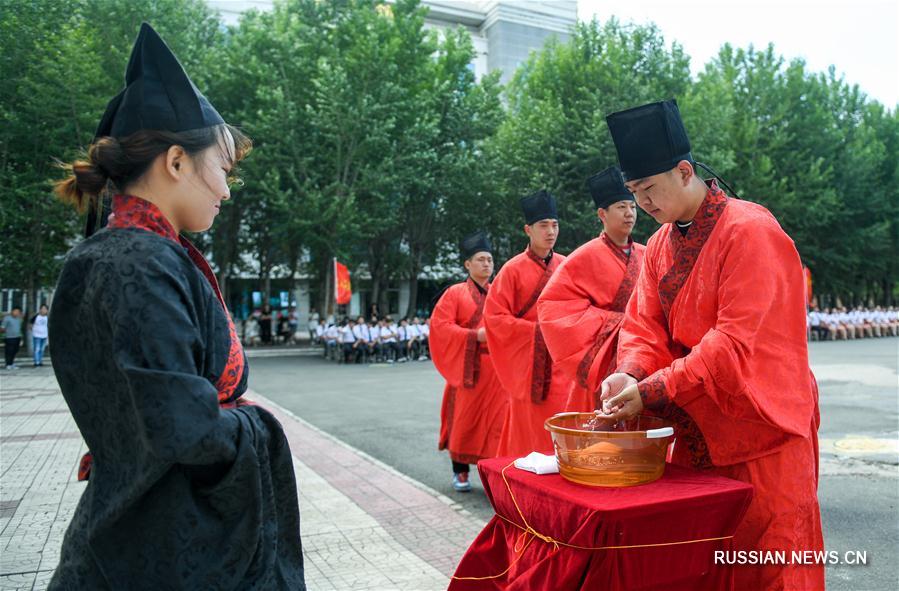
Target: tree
(61, 61)
(555, 135)
(805, 146)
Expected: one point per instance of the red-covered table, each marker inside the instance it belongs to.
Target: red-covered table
(682, 506)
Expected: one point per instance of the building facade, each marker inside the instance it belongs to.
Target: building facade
(504, 32)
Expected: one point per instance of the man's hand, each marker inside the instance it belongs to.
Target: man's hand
(625, 405)
(482, 335)
(614, 385)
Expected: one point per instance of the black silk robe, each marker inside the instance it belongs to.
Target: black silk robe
(190, 488)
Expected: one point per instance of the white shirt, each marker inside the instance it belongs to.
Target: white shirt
(39, 330)
(361, 332)
(425, 330)
(388, 334)
(346, 335)
(413, 331)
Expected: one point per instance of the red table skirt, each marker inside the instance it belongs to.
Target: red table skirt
(682, 506)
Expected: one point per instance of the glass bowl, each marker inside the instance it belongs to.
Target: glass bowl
(595, 451)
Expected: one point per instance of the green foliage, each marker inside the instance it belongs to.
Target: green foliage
(556, 136)
(811, 149)
(374, 142)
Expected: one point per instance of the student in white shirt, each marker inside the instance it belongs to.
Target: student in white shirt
(374, 335)
(816, 324)
(347, 340)
(388, 350)
(330, 340)
(424, 332)
(363, 339)
(251, 330)
(830, 321)
(845, 322)
(39, 333)
(413, 333)
(403, 336)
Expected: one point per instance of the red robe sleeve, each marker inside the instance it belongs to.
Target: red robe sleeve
(571, 321)
(510, 339)
(740, 364)
(643, 338)
(454, 348)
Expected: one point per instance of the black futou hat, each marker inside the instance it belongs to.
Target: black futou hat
(650, 139)
(473, 244)
(607, 187)
(539, 206)
(158, 94)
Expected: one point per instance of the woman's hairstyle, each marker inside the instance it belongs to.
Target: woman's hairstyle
(122, 161)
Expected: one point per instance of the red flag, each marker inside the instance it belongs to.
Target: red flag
(343, 291)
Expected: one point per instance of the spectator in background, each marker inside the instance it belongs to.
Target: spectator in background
(39, 331)
(251, 336)
(314, 321)
(840, 324)
(330, 339)
(293, 324)
(387, 342)
(363, 344)
(426, 337)
(283, 325)
(817, 326)
(374, 345)
(318, 335)
(265, 325)
(403, 336)
(413, 332)
(12, 336)
(347, 340)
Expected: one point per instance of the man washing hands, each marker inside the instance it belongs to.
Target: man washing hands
(713, 340)
(620, 398)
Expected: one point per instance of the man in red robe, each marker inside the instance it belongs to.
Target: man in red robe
(536, 390)
(474, 402)
(714, 339)
(580, 310)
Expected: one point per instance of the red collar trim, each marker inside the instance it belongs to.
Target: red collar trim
(619, 251)
(533, 256)
(130, 211)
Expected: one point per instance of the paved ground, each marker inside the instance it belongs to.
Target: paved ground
(364, 525)
(392, 413)
(377, 506)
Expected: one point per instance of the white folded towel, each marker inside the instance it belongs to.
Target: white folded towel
(538, 463)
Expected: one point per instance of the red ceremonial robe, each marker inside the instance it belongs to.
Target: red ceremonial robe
(580, 313)
(474, 402)
(715, 332)
(519, 353)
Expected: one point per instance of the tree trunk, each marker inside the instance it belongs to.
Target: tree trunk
(416, 255)
(223, 284)
(267, 285)
(327, 285)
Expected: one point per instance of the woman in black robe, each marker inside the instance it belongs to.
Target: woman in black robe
(189, 486)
